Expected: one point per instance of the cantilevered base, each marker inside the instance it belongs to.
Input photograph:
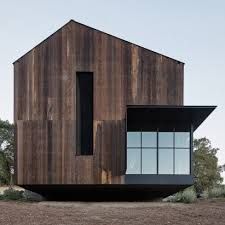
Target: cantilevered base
(104, 192)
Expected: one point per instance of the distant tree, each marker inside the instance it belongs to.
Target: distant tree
(7, 146)
(4, 169)
(206, 168)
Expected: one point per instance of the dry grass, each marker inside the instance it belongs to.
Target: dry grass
(3, 188)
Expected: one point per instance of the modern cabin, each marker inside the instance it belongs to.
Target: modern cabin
(93, 111)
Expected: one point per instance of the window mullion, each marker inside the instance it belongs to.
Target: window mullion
(174, 152)
(157, 152)
(141, 154)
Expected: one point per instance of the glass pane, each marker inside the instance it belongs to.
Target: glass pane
(133, 139)
(149, 139)
(133, 161)
(166, 161)
(182, 139)
(149, 161)
(182, 161)
(165, 139)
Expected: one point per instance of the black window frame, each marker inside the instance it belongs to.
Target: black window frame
(174, 148)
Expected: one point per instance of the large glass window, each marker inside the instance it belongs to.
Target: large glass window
(182, 139)
(158, 153)
(165, 148)
(165, 139)
(165, 161)
(149, 139)
(149, 161)
(182, 161)
(133, 161)
(134, 139)
(182, 152)
(149, 152)
(142, 152)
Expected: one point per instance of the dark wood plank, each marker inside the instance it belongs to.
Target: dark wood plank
(45, 103)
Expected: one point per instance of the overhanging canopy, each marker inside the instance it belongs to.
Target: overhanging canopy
(147, 117)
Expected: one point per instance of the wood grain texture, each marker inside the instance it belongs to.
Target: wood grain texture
(45, 103)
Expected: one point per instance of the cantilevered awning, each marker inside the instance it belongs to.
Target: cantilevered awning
(147, 117)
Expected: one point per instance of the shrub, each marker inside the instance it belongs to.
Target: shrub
(186, 196)
(11, 194)
(31, 196)
(216, 192)
(170, 198)
(177, 197)
(174, 198)
(189, 195)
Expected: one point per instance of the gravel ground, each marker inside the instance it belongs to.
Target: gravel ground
(157, 213)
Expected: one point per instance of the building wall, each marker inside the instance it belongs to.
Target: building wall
(45, 103)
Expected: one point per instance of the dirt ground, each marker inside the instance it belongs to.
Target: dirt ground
(159, 213)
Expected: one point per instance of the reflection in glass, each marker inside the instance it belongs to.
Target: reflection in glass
(133, 161)
(166, 161)
(173, 152)
(149, 139)
(133, 139)
(182, 139)
(182, 161)
(166, 139)
(149, 161)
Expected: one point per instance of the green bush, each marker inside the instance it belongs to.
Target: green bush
(173, 198)
(177, 197)
(216, 192)
(189, 195)
(11, 194)
(186, 196)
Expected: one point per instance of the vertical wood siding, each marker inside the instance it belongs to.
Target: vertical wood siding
(45, 103)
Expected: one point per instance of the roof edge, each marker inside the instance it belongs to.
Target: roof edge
(43, 41)
(172, 106)
(182, 116)
(73, 21)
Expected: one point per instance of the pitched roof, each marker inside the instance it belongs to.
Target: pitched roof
(73, 21)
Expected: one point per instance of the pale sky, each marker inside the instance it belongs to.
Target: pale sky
(190, 31)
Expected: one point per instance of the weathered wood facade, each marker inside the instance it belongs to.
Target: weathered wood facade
(45, 103)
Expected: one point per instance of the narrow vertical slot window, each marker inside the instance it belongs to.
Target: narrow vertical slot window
(84, 113)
